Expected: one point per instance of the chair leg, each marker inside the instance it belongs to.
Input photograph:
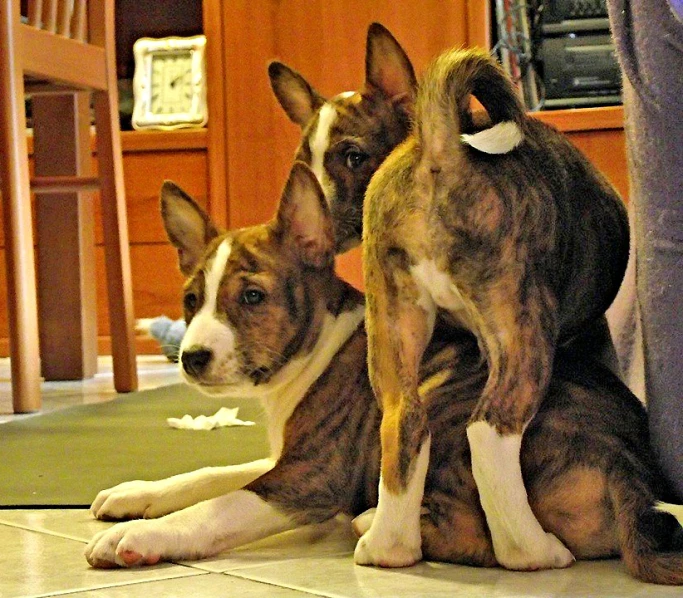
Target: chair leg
(117, 251)
(16, 200)
(67, 300)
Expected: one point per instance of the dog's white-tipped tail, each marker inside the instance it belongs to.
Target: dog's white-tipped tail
(499, 139)
(443, 116)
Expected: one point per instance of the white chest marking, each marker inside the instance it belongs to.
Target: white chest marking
(289, 386)
(283, 392)
(320, 142)
(437, 286)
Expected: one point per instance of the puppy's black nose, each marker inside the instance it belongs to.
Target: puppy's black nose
(195, 359)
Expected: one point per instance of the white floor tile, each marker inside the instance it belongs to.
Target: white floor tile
(153, 371)
(76, 524)
(338, 577)
(202, 586)
(35, 564)
(334, 538)
(41, 551)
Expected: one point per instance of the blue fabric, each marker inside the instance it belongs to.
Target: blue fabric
(677, 8)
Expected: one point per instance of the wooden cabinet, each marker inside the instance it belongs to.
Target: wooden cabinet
(237, 166)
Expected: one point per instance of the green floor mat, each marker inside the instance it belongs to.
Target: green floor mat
(64, 458)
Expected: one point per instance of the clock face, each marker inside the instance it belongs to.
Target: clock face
(171, 83)
(169, 87)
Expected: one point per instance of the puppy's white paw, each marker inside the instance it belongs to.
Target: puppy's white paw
(549, 553)
(130, 500)
(126, 544)
(385, 551)
(362, 523)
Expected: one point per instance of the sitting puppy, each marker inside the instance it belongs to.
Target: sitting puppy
(511, 234)
(267, 317)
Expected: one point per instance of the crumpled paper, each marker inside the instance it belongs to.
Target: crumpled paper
(223, 417)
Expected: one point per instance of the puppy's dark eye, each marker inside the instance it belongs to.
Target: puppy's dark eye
(190, 301)
(354, 158)
(252, 297)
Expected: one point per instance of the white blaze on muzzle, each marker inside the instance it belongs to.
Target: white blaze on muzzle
(207, 330)
(319, 143)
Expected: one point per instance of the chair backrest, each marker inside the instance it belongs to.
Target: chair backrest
(68, 42)
(63, 17)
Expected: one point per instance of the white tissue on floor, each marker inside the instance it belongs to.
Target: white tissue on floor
(223, 417)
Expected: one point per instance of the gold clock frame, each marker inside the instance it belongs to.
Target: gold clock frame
(144, 50)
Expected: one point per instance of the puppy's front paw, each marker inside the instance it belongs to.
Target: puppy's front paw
(549, 553)
(384, 551)
(126, 545)
(130, 500)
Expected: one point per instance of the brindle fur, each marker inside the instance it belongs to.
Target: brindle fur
(487, 239)
(531, 246)
(591, 477)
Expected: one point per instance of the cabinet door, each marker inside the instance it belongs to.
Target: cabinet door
(325, 41)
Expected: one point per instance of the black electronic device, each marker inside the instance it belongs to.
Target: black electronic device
(576, 55)
(580, 70)
(566, 45)
(564, 16)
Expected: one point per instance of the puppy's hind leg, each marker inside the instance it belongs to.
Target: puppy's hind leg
(398, 331)
(519, 342)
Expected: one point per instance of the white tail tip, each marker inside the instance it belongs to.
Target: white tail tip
(499, 139)
(675, 510)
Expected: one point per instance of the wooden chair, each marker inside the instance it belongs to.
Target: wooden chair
(62, 53)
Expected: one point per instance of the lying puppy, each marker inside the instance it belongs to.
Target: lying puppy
(268, 318)
(518, 239)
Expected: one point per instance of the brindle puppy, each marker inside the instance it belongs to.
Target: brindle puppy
(512, 233)
(348, 137)
(268, 318)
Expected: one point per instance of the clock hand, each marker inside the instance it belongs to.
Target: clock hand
(177, 78)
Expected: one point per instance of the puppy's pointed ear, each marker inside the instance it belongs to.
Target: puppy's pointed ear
(299, 100)
(188, 227)
(388, 68)
(304, 218)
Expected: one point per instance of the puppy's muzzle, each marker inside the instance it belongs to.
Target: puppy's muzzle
(195, 360)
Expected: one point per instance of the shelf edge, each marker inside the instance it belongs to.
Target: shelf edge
(583, 119)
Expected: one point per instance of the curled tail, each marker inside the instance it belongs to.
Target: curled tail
(443, 116)
(646, 530)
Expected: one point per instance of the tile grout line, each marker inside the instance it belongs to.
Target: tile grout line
(42, 531)
(321, 594)
(121, 584)
(278, 561)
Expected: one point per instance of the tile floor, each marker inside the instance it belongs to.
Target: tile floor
(41, 551)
